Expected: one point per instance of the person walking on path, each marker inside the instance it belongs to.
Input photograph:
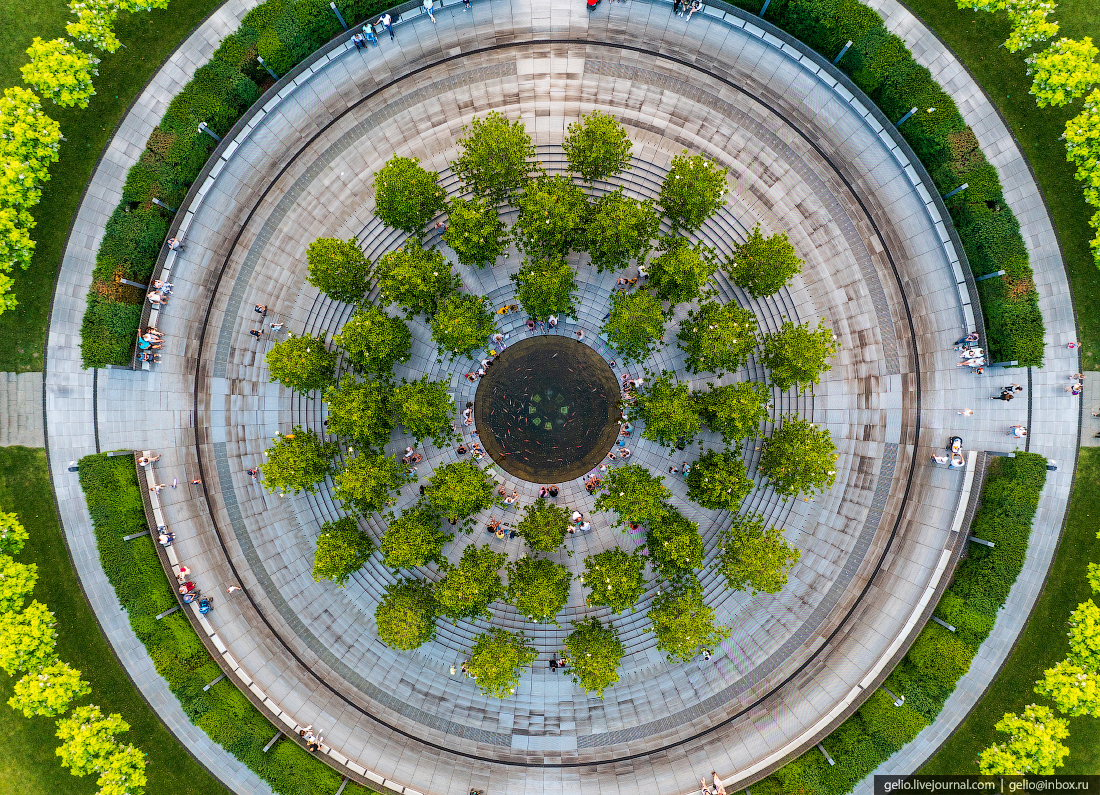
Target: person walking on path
(967, 412)
(386, 21)
(1073, 389)
(1018, 431)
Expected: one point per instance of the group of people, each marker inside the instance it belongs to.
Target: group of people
(970, 354)
(550, 491)
(591, 484)
(543, 326)
(578, 524)
(149, 342)
(496, 526)
(1077, 384)
(313, 740)
(681, 6)
(475, 450)
(715, 786)
(1008, 392)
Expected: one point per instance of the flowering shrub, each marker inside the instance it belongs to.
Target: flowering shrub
(61, 72)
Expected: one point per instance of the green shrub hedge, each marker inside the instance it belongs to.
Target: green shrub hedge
(142, 587)
(928, 672)
(282, 32)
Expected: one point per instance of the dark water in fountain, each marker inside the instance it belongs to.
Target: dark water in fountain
(547, 409)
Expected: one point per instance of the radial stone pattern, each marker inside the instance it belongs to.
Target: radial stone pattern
(805, 157)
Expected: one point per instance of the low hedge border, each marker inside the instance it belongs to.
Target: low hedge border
(134, 569)
(928, 672)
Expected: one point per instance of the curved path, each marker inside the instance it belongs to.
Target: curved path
(251, 410)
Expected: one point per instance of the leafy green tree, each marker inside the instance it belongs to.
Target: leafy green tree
(298, 461)
(476, 233)
(374, 341)
(495, 158)
(735, 410)
(797, 355)
(620, 229)
(406, 614)
(12, 534)
(675, 546)
(543, 525)
(1084, 635)
(754, 557)
(48, 691)
(634, 493)
(467, 590)
(594, 653)
(762, 265)
(546, 287)
(88, 739)
(1082, 137)
(692, 191)
(123, 773)
(1093, 575)
(27, 639)
(95, 20)
(462, 324)
(683, 624)
(338, 269)
(718, 481)
(681, 272)
(597, 146)
(414, 539)
(538, 588)
(406, 195)
(361, 410)
(614, 578)
(635, 325)
(552, 212)
(1064, 71)
(16, 582)
(460, 489)
(799, 457)
(717, 337)
(1074, 690)
(61, 72)
(497, 660)
(425, 409)
(415, 278)
(342, 549)
(302, 363)
(1028, 19)
(368, 482)
(668, 409)
(1034, 747)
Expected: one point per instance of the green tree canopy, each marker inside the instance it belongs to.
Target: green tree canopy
(680, 273)
(717, 337)
(797, 355)
(27, 639)
(754, 557)
(48, 691)
(16, 583)
(1034, 746)
(620, 229)
(302, 363)
(762, 265)
(462, 324)
(338, 269)
(718, 481)
(543, 525)
(799, 457)
(361, 410)
(668, 409)
(634, 494)
(538, 588)
(414, 539)
(368, 482)
(374, 341)
(124, 772)
(342, 549)
(692, 191)
(735, 410)
(416, 278)
(1063, 72)
(467, 590)
(406, 614)
(460, 489)
(614, 579)
(675, 547)
(12, 534)
(1084, 635)
(406, 195)
(297, 461)
(476, 233)
(425, 409)
(1074, 690)
(635, 326)
(546, 287)
(60, 71)
(495, 157)
(88, 739)
(597, 146)
(594, 653)
(552, 213)
(683, 624)
(498, 659)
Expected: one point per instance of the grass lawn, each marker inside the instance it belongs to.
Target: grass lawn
(28, 765)
(149, 38)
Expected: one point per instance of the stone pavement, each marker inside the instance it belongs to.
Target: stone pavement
(21, 410)
(804, 156)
